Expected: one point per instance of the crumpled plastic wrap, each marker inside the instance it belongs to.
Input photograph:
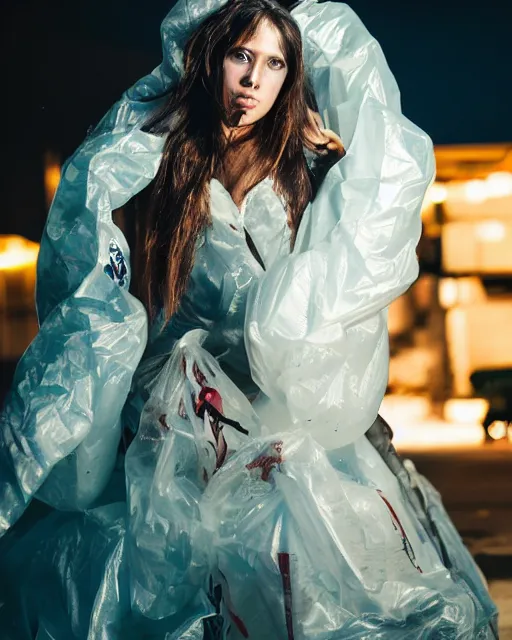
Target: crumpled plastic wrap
(316, 323)
(61, 420)
(282, 538)
(174, 456)
(272, 520)
(306, 547)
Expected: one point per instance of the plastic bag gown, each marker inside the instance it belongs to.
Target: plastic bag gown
(277, 518)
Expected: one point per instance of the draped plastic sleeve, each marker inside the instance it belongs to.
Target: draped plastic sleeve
(60, 428)
(316, 330)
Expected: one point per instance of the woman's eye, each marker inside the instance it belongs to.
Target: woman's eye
(275, 63)
(240, 56)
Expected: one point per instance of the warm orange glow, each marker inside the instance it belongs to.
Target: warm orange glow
(17, 252)
(416, 429)
(491, 231)
(467, 161)
(481, 245)
(437, 434)
(478, 337)
(475, 191)
(465, 290)
(448, 293)
(437, 193)
(396, 408)
(498, 430)
(499, 184)
(51, 175)
(496, 185)
(466, 410)
(457, 340)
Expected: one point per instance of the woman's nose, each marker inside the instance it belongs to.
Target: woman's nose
(252, 79)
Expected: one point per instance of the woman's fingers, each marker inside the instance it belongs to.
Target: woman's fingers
(333, 141)
(323, 139)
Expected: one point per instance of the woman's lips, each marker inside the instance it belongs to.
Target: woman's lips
(246, 103)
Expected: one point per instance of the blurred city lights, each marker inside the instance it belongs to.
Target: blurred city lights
(491, 231)
(17, 252)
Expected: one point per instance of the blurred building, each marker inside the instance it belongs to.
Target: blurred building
(449, 335)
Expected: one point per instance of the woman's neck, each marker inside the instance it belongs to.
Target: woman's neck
(235, 170)
(232, 134)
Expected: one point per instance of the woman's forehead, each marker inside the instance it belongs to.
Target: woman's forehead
(265, 40)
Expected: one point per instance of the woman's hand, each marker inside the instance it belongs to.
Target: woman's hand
(322, 140)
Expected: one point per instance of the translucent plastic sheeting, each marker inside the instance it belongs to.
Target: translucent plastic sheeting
(276, 519)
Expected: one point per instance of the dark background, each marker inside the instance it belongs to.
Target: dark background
(65, 63)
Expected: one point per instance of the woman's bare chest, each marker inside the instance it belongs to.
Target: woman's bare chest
(237, 175)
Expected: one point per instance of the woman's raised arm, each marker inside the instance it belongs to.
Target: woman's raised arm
(316, 329)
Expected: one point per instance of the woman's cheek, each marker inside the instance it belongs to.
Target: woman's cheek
(231, 77)
(275, 92)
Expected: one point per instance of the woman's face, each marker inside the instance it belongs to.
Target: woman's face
(254, 73)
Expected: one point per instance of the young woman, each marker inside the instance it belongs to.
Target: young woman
(211, 460)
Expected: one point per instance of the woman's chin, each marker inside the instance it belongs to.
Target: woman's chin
(247, 119)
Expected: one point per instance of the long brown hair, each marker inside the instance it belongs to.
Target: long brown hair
(192, 119)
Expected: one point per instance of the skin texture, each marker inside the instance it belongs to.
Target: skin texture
(321, 137)
(253, 75)
(257, 70)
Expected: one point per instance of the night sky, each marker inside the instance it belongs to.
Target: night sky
(65, 63)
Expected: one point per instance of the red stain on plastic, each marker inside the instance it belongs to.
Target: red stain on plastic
(239, 624)
(284, 569)
(268, 462)
(399, 527)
